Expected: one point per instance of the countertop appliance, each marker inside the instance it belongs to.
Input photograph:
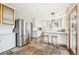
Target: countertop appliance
(23, 32)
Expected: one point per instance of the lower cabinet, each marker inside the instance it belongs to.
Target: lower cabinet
(37, 34)
(55, 38)
(62, 39)
(7, 41)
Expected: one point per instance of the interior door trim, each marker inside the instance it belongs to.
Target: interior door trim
(76, 30)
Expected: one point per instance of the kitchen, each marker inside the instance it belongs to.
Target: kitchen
(49, 24)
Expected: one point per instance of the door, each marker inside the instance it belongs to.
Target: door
(19, 32)
(25, 34)
(73, 30)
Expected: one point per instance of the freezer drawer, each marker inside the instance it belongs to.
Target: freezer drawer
(21, 40)
(25, 40)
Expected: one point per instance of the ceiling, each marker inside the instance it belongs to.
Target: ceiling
(39, 10)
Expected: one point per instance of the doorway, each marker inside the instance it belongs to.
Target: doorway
(73, 30)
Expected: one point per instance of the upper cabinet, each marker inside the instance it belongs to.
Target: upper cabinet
(7, 14)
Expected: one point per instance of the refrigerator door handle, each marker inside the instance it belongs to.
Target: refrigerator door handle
(26, 27)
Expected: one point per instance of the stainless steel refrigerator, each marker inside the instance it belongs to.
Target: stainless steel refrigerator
(23, 36)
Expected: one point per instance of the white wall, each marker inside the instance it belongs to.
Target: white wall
(5, 29)
(38, 10)
(44, 23)
(41, 23)
(7, 37)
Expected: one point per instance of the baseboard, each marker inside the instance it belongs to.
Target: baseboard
(7, 49)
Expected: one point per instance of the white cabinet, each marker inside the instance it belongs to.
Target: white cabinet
(37, 33)
(7, 41)
(62, 39)
(55, 37)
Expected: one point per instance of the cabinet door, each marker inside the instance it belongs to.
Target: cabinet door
(7, 42)
(46, 38)
(62, 39)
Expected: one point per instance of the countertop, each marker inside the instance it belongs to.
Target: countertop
(54, 32)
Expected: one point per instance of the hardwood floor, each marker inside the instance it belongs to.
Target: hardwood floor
(38, 47)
